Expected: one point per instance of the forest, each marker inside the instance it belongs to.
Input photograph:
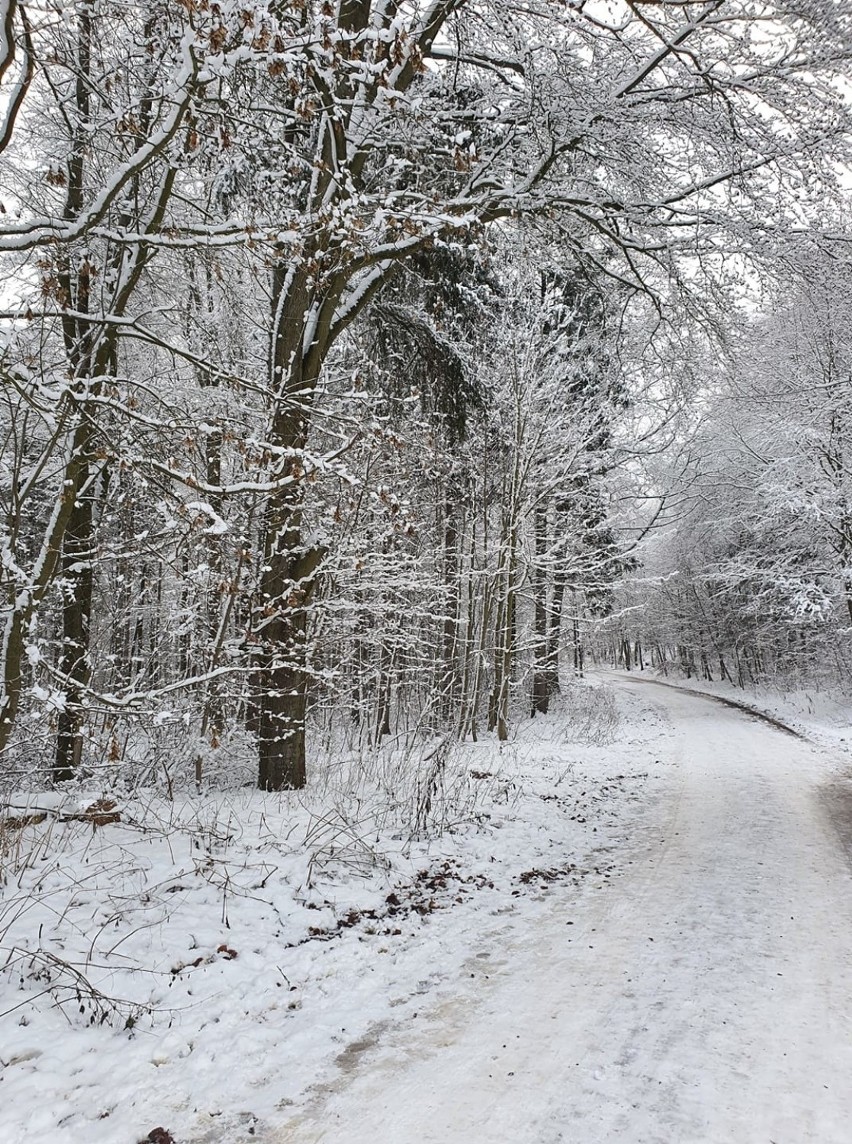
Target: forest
(367, 366)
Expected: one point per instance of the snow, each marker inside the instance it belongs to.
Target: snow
(644, 938)
(218, 526)
(707, 997)
(822, 714)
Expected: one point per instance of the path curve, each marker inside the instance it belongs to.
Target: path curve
(707, 999)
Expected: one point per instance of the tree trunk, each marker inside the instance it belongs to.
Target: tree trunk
(383, 708)
(448, 679)
(213, 717)
(505, 667)
(76, 560)
(499, 628)
(25, 601)
(554, 632)
(74, 660)
(541, 683)
(287, 578)
(287, 584)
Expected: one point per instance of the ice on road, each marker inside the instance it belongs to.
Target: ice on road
(705, 997)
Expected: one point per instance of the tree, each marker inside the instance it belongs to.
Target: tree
(755, 576)
(98, 197)
(522, 112)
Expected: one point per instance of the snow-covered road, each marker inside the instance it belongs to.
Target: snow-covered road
(706, 997)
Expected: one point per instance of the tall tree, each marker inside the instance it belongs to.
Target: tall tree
(403, 127)
(83, 229)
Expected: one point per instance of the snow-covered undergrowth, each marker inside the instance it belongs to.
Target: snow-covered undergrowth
(196, 963)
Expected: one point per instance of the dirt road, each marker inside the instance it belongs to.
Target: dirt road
(706, 998)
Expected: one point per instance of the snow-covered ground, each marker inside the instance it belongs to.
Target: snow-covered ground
(205, 964)
(706, 998)
(822, 714)
(643, 937)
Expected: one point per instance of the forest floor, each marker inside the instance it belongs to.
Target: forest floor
(645, 937)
